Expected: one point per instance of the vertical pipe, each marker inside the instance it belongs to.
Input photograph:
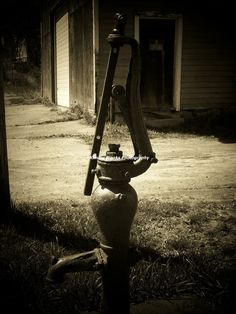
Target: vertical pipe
(114, 206)
(115, 277)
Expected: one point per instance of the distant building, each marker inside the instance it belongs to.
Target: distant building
(188, 52)
(21, 51)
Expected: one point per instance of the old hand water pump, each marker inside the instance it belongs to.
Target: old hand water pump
(114, 201)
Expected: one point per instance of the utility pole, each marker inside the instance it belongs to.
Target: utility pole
(5, 200)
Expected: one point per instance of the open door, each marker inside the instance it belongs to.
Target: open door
(157, 46)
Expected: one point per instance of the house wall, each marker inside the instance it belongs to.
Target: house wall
(81, 54)
(208, 61)
(80, 51)
(208, 55)
(208, 78)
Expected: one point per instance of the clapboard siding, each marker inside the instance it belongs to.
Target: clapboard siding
(208, 52)
(88, 77)
(81, 56)
(208, 69)
(208, 64)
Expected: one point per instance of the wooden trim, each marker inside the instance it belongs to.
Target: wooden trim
(177, 62)
(95, 47)
(60, 9)
(96, 25)
(136, 27)
(41, 49)
(53, 57)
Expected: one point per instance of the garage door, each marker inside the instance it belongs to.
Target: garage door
(62, 61)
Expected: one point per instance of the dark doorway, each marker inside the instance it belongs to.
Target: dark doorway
(157, 38)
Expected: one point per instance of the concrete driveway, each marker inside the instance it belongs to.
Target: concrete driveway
(48, 160)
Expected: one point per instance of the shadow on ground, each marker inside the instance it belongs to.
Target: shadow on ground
(198, 268)
(221, 126)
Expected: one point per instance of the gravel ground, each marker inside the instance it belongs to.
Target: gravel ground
(48, 160)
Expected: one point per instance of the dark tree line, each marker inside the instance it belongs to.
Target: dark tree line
(20, 21)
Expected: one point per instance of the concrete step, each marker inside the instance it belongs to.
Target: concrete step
(162, 119)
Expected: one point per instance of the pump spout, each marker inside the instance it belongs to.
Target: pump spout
(89, 261)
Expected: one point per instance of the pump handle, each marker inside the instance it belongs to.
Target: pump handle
(129, 102)
(106, 93)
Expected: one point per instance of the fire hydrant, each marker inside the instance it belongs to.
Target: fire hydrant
(114, 201)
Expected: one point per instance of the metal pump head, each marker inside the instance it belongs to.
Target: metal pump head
(129, 102)
(114, 151)
(120, 20)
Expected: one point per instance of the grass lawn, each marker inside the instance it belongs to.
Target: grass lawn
(178, 249)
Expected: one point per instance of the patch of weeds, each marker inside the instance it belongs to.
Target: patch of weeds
(85, 137)
(89, 118)
(32, 97)
(198, 217)
(66, 115)
(77, 110)
(223, 228)
(178, 244)
(47, 102)
(117, 130)
(121, 131)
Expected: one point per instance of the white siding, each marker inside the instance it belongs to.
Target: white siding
(62, 62)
